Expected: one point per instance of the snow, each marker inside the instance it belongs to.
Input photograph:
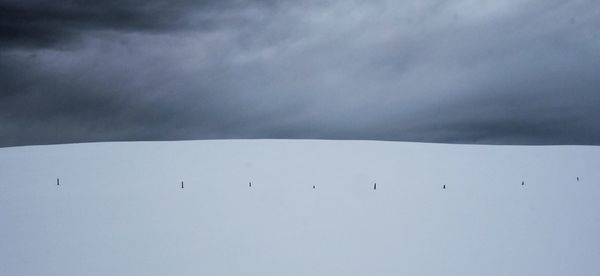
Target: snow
(120, 209)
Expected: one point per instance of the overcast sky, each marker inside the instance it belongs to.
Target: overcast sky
(466, 71)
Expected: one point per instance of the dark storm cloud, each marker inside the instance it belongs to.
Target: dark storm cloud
(517, 72)
(45, 23)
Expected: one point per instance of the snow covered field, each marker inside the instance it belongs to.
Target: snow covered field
(120, 209)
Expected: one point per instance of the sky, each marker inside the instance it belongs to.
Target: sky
(464, 71)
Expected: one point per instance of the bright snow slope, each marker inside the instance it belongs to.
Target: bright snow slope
(120, 210)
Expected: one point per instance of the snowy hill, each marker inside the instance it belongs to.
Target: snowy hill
(120, 209)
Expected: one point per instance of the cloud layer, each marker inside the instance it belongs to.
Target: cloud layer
(510, 72)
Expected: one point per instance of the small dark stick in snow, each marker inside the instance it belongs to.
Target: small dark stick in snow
(375, 186)
(57, 182)
(444, 187)
(250, 184)
(182, 184)
(313, 186)
(522, 183)
(578, 178)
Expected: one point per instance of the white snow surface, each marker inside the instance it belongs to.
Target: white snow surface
(120, 209)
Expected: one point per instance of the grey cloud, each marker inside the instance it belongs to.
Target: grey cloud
(518, 72)
(45, 23)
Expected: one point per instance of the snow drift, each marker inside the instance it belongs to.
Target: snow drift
(120, 209)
